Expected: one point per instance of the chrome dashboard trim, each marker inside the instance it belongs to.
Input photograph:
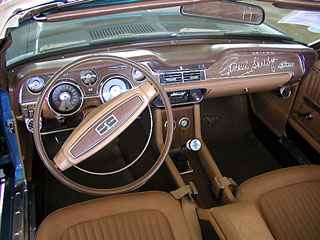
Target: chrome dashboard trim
(105, 79)
(65, 81)
(248, 76)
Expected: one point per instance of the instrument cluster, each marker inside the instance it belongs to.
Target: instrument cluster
(69, 95)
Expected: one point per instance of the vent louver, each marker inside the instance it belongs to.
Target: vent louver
(172, 77)
(191, 76)
(178, 77)
(114, 31)
(29, 124)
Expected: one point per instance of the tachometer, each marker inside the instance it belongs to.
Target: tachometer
(113, 87)
(65, 98)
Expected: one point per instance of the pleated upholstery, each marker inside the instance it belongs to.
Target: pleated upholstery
(143, 216)
(293, 212)
(288, 200)
(137, 225)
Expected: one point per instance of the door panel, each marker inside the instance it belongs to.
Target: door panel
(272, 109)
(305, 116)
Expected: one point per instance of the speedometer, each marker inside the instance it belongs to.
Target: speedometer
(113, 87)
(65, 98)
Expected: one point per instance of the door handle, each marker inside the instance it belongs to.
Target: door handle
(307, 116)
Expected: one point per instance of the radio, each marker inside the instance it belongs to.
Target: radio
(182, 97)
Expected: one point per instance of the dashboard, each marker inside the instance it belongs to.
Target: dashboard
(188, 72)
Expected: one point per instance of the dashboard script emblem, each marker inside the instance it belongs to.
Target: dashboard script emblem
(285, 64)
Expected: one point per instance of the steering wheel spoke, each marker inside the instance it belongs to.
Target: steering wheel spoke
(103, 125)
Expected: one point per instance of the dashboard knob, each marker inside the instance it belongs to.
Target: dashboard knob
(285, 91)
(193, 144)
(184, 123)
(196, 96)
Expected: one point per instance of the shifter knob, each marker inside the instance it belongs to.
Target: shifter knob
(193, 144)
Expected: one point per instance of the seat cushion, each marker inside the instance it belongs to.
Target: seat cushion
(289, 201)
(149, 215)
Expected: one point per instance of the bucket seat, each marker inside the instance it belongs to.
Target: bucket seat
(288, 200)
(147, 215)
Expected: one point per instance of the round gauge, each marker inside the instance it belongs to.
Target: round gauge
(113, 87)
(137, 75)
(65, 98)
(35, 84)
(88, 77)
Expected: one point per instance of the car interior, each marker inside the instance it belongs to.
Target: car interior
(187, 138)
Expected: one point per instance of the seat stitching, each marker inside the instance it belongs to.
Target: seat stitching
(301, 199)
(298, 196)
(313, 203)
(290, 185)
(277, 170)
(138, 228)
(275, 209)
(107, 218)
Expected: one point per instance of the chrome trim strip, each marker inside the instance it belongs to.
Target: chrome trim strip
(20, 222)
(91, 96)
(2, 187)
(32, 214)
(302, 63)
(57, 131)
(28, 104)
(253, 75)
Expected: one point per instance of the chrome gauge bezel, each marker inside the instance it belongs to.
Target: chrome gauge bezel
(27, 85)
(58, 84)
(108, 78)
(139, 81)
(89, 85)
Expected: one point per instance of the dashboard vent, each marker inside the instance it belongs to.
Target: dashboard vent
(179, 77)
(192, 76)
(29, 124)
(172, 77)
(114, 31)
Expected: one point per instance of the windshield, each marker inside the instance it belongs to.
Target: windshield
(302, 25)
(34, 38)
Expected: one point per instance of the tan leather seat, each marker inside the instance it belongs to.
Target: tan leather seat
(289, 201)
(148, 215)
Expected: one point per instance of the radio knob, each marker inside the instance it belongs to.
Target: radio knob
(196, 96)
